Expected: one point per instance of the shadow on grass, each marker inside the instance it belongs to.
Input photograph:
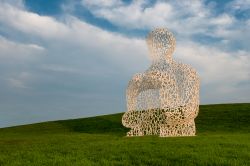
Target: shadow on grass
(108, 124)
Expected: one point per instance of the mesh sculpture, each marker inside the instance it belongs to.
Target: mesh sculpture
(164, 100)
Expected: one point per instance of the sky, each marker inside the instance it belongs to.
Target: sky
(66, 59)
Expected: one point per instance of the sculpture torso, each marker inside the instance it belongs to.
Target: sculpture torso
(167, 92)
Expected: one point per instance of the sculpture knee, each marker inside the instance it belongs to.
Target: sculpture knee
(186, 128)
(131, 119)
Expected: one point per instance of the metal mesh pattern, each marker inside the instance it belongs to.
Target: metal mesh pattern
(164, 100)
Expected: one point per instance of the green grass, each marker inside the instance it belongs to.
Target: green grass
(223, 138)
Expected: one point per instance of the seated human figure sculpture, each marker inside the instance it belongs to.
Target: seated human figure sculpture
(164, 100)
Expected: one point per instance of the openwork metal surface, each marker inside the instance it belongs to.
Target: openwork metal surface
(164, 100)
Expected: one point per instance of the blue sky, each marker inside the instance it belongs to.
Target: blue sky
(66, 59)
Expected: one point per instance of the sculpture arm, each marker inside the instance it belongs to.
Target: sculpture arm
(181, 94)
(133, 91)
(131, 118)
(191, 101)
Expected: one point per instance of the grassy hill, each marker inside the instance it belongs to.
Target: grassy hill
(223, 138)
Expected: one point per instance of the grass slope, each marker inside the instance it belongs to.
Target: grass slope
(223, 138)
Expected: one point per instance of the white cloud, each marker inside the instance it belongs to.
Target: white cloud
(105, 3)
(16, 83)
(59, 68)
(181, 16)
(71, 34)
(239, 5)
(31, 23)
(19, 80)
(222, 20)
(216, 67)
(133, 15)
(11, 51)
(186, 18)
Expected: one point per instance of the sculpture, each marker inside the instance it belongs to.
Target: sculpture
(164, 100)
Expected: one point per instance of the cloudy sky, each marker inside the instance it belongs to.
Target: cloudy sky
(66, 59)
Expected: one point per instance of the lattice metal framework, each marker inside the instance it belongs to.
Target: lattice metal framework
(164, 100)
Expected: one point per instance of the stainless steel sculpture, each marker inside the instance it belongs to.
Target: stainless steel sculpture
(164, 100)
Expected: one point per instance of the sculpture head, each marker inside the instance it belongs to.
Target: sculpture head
(161, 44)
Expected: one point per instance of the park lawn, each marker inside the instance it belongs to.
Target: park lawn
(223, 138)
